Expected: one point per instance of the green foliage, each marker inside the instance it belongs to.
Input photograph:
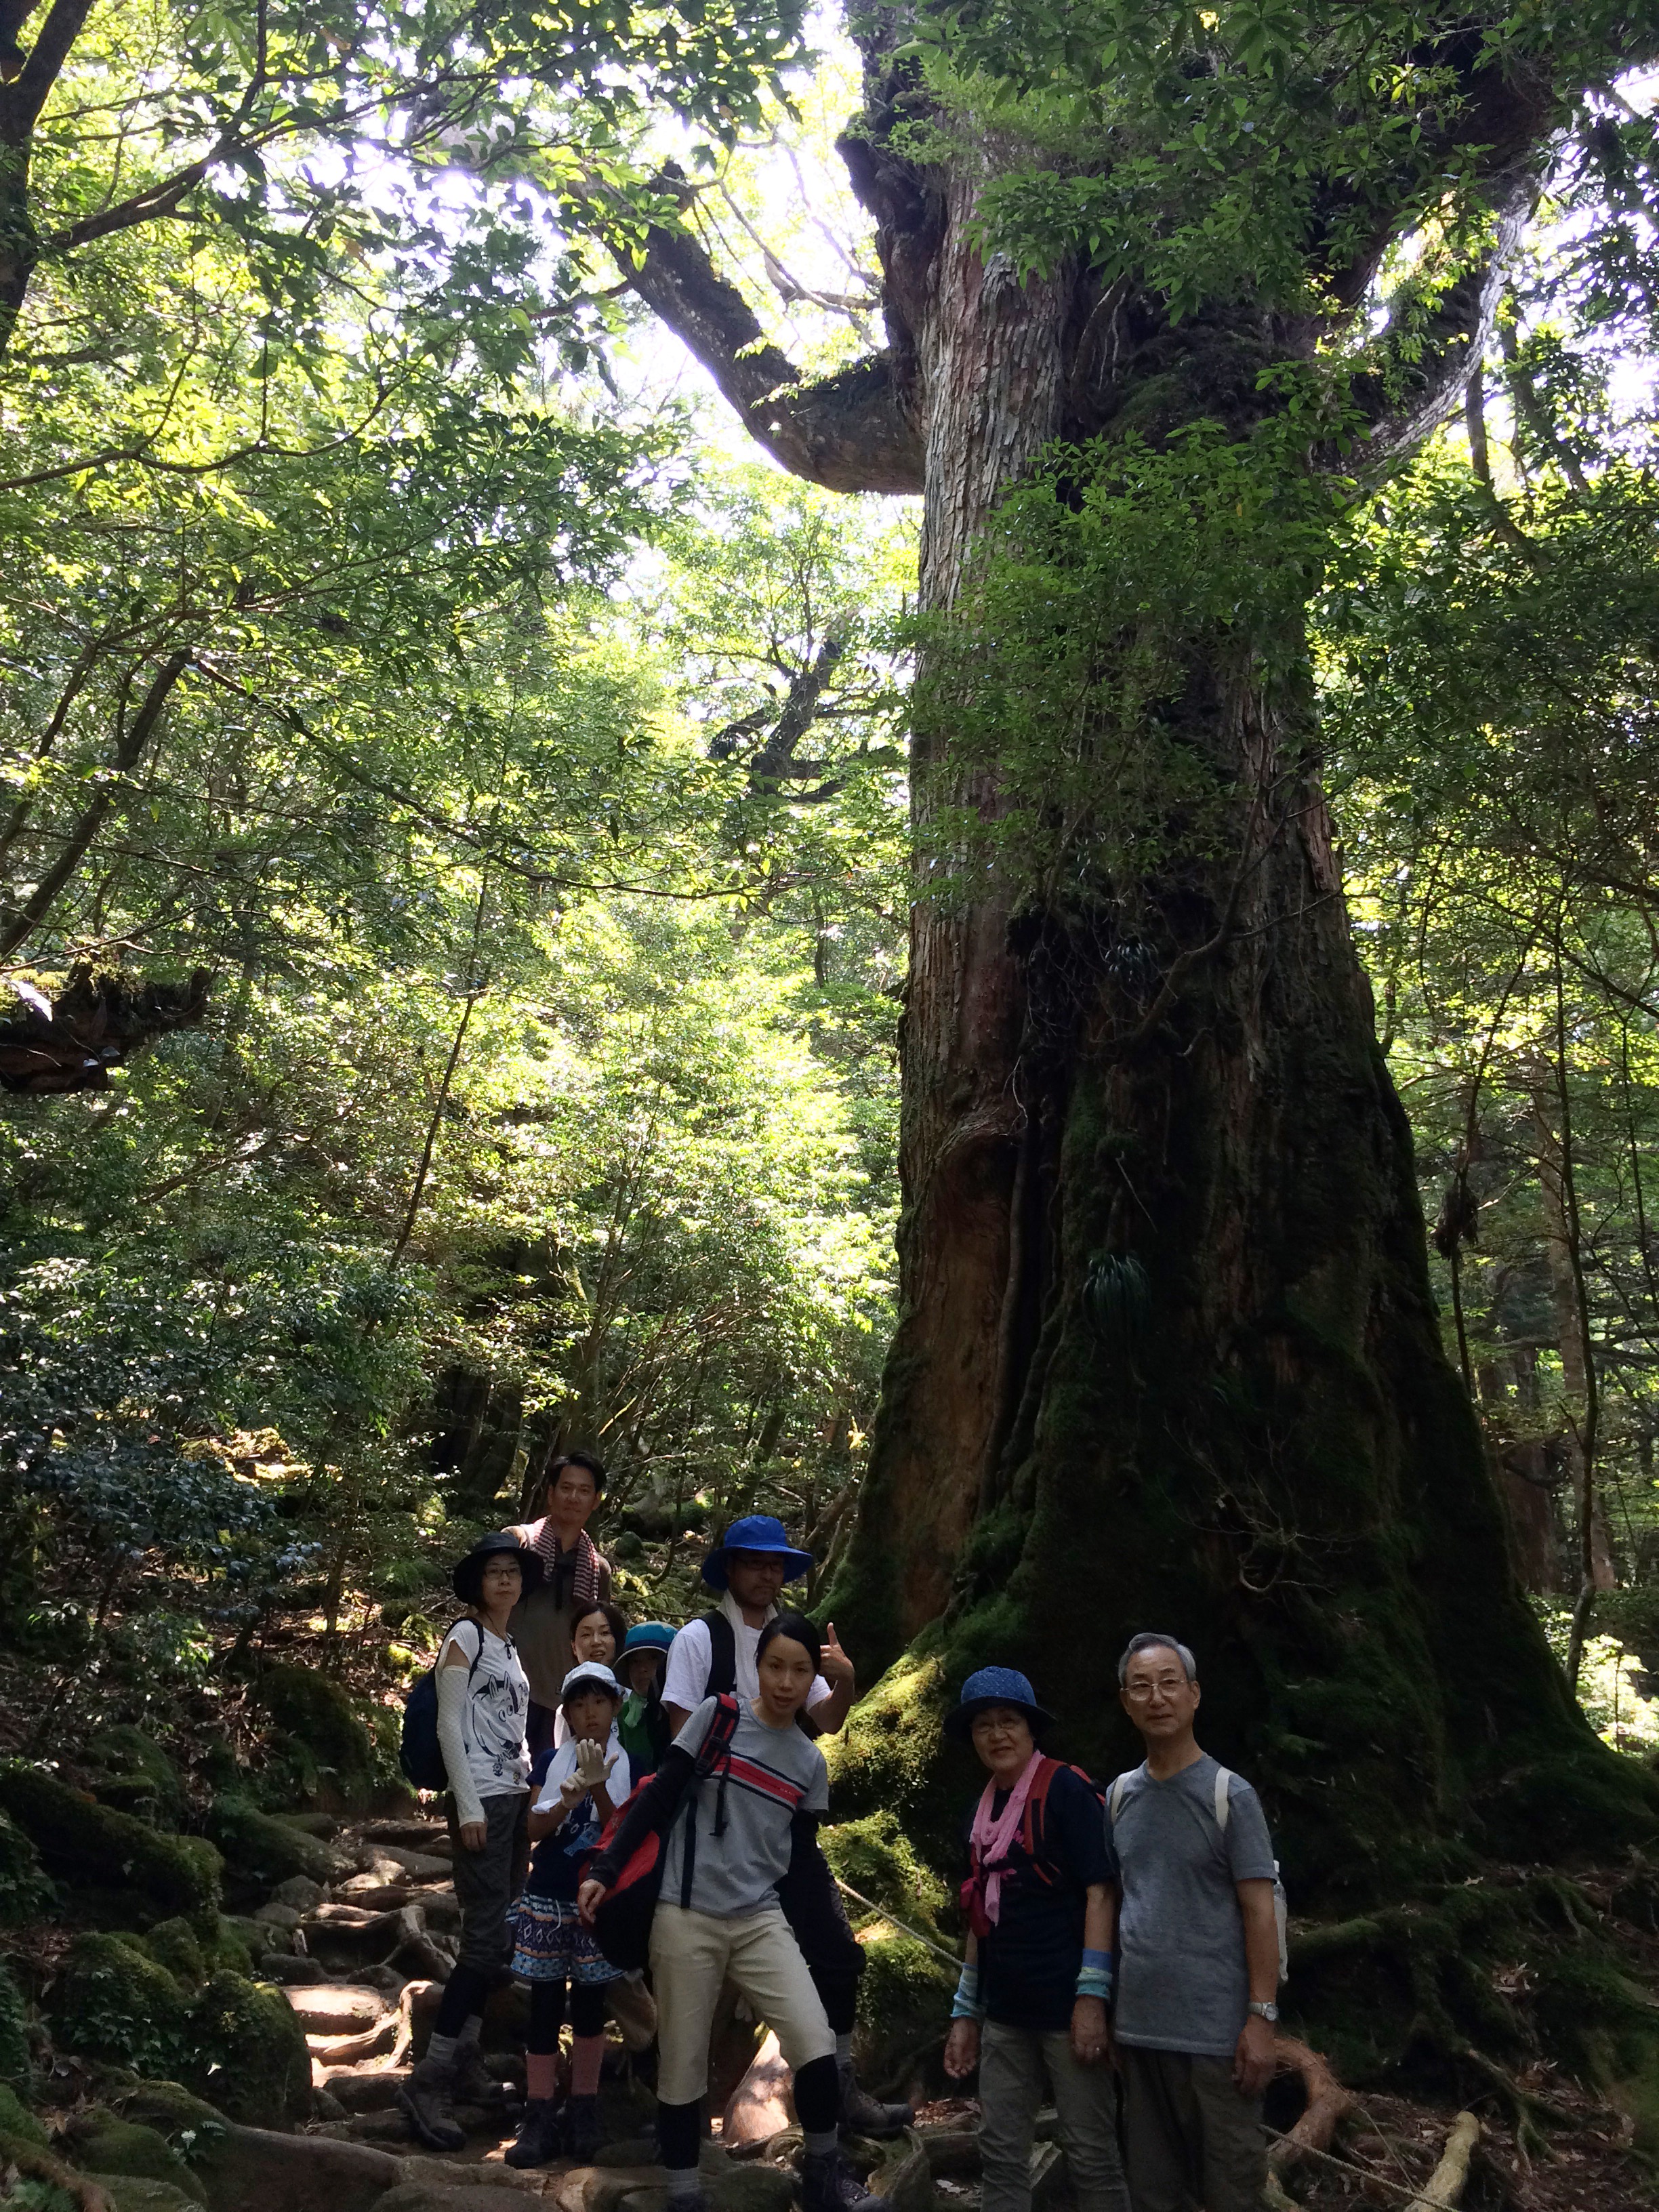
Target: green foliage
(110, 2000)
(25, 1893)
(1067, 669)
(14, 2039)
(232, 2039)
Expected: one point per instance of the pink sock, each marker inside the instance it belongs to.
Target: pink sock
(585, 2053)
(541, 2073)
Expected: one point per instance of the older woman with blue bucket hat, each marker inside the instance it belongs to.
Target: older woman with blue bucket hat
(1041, 1904)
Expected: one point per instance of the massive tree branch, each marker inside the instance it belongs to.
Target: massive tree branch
(1438, 351)
(854, 431)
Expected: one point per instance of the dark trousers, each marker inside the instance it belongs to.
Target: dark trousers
(1192, 2139)
(812, 1904)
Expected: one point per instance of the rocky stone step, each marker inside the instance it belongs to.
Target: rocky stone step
(413, 1835)
(338, 2009)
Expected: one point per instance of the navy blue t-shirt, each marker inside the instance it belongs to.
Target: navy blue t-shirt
(1029, 1962)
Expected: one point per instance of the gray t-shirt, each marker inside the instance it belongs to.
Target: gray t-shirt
(774, 1773)
(1182, 1981)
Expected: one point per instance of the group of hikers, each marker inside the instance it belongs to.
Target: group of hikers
(1119, 1941)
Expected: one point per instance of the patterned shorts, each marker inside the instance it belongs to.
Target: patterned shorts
(550, 1943)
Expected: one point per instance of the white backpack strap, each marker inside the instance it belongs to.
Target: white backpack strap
(1115, 1797)
(1221, 1807)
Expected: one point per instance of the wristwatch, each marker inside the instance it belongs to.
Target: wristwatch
(1268, 2012)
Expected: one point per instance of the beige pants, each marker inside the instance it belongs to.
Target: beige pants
(691, 1954)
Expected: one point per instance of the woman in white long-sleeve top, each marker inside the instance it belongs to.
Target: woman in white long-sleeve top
(483, 1702)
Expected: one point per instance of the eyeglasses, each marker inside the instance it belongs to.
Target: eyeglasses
(1168, 1686)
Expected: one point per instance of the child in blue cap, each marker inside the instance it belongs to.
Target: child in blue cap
(642, 1724)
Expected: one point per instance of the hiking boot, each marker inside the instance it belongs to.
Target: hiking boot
(828, 2183)
(583, 2133)
(861, 2114)
(539, 2136)
(427, 2100)
(475, 2081)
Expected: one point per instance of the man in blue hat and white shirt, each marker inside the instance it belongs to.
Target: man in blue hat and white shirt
(749, 1567)
(716, 1653)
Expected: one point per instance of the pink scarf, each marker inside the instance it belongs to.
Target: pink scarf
(988, 1842)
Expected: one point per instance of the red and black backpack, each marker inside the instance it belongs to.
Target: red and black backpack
(622, 1920)
(1031, 1840)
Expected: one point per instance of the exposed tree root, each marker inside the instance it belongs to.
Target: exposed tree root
(1327, 2101)
(41, 2166)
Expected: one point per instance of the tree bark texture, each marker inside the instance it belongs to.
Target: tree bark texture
(1167, 1354)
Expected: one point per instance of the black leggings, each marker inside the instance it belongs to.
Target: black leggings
(587, 2012)
(817, 2107)
(464, 1993)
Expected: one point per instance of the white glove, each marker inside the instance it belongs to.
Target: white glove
(592, 1767)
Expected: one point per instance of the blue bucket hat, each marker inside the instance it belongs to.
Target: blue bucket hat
(993, 1685)
(755, 1531)
(647, 1636)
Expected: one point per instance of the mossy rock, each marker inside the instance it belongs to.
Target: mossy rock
(111, 2000)
(249, 2052)
(25, 1893)
(176, 1945)
(101, 2142)
(236, 1945)
(83, 1843)
(135, 2193)
(17, 2121)
(259, 1852)
(905, 1990)
(137, 1775)
(325, 1739)
(14, 2037)
(187, 2121)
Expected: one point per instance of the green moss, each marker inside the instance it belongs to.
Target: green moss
(13, 2037)
(17, 2120)
(102, 2143)
(236, 1945)
(176, 1945)
(85, 1844)
(110, 2000)
(135, 1775)
(248, 2053)
(188, 2122)
(324, 1739)
(259, 1852)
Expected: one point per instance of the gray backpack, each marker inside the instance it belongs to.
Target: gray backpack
(1223, 1811)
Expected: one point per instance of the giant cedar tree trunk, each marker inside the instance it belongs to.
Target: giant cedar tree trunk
(1167, 1354)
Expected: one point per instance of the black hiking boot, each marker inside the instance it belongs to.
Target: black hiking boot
(583, 2132)
(828, 2183)
(540, 2136)
(427, 2100)
(475, 2080)
(861, 2114)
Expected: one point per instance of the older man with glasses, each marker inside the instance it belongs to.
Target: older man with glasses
(1198, 1941)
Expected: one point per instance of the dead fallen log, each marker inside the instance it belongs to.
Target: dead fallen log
(1327, 2101)
(1446, 2183)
